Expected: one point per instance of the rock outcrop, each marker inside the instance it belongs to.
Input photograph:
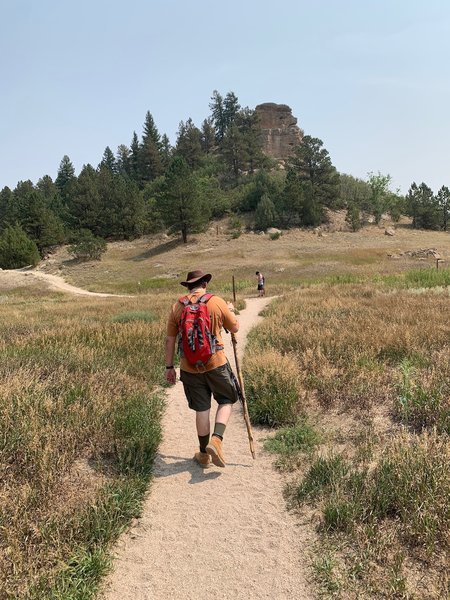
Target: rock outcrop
(279, 131)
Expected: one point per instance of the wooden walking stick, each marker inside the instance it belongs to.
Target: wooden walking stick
(242, 396)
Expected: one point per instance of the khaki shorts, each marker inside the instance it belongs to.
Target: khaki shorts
(198, 388)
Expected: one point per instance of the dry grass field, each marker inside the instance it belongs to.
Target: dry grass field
(352, 364)
(298, 256)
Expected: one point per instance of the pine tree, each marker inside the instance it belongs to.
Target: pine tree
(218, 115)
(109, 160)
(150, 131)
(6, 200)
(179, 200)
(312, 165)
(443, 201)
(208, 136)
(265, 214)
(40, 223)
(223, 113)
(65, 178)
(123, 160)
(231, 109)
(166, 151)
(85, 207)
(353, 217)
(122, 206)
(16, 249)
(423, 207)
(234, 151)
(189, 144)
(291, 201)
(135, 171)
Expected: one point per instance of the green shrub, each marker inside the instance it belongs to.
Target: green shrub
(234, 223)
(275, 236)
(87, 246)
(17, 249)
(272, 386)
(292, 440)
(323, 475)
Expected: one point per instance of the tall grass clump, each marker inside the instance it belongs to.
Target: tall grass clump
(291, 443)
(411, 482)
(399, 506)
(427, 278)
(424, 403)
(272, 388)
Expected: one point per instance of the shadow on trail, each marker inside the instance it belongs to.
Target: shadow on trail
(181, 465)
(160, 249)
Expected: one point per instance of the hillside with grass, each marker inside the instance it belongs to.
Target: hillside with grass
(348, 374)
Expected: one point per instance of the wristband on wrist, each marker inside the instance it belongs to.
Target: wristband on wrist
(171, 367)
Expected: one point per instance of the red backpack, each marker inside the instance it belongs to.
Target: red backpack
(197, 344)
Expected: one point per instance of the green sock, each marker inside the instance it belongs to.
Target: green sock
(204, 441)
(219, 430)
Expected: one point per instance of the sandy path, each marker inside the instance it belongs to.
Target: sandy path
(55, 282)
(210, 533)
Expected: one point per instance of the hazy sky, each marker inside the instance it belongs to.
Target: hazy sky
(368, 77)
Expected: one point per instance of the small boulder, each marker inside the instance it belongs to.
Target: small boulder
(389, 231)
(273, 230)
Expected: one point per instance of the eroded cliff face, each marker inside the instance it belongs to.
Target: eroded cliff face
(279, 130)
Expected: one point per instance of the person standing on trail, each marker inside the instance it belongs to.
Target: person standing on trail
(197, 319)
(261, 284)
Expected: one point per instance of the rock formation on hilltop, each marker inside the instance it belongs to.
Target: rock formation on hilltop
(279, 130)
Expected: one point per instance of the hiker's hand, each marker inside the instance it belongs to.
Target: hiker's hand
(171, 376)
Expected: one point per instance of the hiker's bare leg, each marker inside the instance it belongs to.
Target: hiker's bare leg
(202, 422)
(223, 413)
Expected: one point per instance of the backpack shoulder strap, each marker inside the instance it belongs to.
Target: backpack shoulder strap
(204, 299)
(184, 301)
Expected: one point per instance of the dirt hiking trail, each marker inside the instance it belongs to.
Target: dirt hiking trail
(212, 533)
(54, 282)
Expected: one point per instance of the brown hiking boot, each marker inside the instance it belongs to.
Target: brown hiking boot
(202, 459)
(214, 449)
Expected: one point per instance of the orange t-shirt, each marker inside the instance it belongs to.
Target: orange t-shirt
(221, 316)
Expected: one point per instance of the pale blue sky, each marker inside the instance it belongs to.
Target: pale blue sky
(368, 77)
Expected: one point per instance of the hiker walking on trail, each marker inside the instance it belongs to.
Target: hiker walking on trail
(261, 284)
(197, 320)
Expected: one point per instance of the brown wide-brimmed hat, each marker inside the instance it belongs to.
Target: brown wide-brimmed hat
(194, 276)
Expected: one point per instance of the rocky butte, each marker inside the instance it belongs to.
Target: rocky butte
(279, 130)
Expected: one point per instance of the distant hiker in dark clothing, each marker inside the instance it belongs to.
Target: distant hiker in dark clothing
(197, 319)
(261, 283)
